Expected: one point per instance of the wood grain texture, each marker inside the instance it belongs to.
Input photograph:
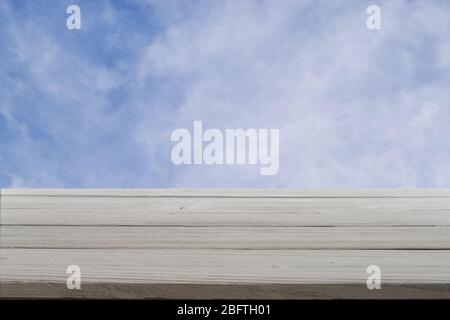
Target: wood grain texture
(231, 211)
(226, 266)
(254, 238)
(195, 243)
(224, 291)
(241, 193)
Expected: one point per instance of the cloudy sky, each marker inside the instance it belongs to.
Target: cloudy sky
(95, 107)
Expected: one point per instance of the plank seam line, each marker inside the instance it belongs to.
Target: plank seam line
(232, 197)
(233, 249)
(226, 226)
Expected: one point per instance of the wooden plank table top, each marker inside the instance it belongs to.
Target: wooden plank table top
(224, 243)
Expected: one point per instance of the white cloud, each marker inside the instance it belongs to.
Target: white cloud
(355, 108)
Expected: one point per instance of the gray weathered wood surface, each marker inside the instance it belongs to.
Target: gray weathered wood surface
(229, 243)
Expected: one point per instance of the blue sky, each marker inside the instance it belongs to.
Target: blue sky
(95, 107)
